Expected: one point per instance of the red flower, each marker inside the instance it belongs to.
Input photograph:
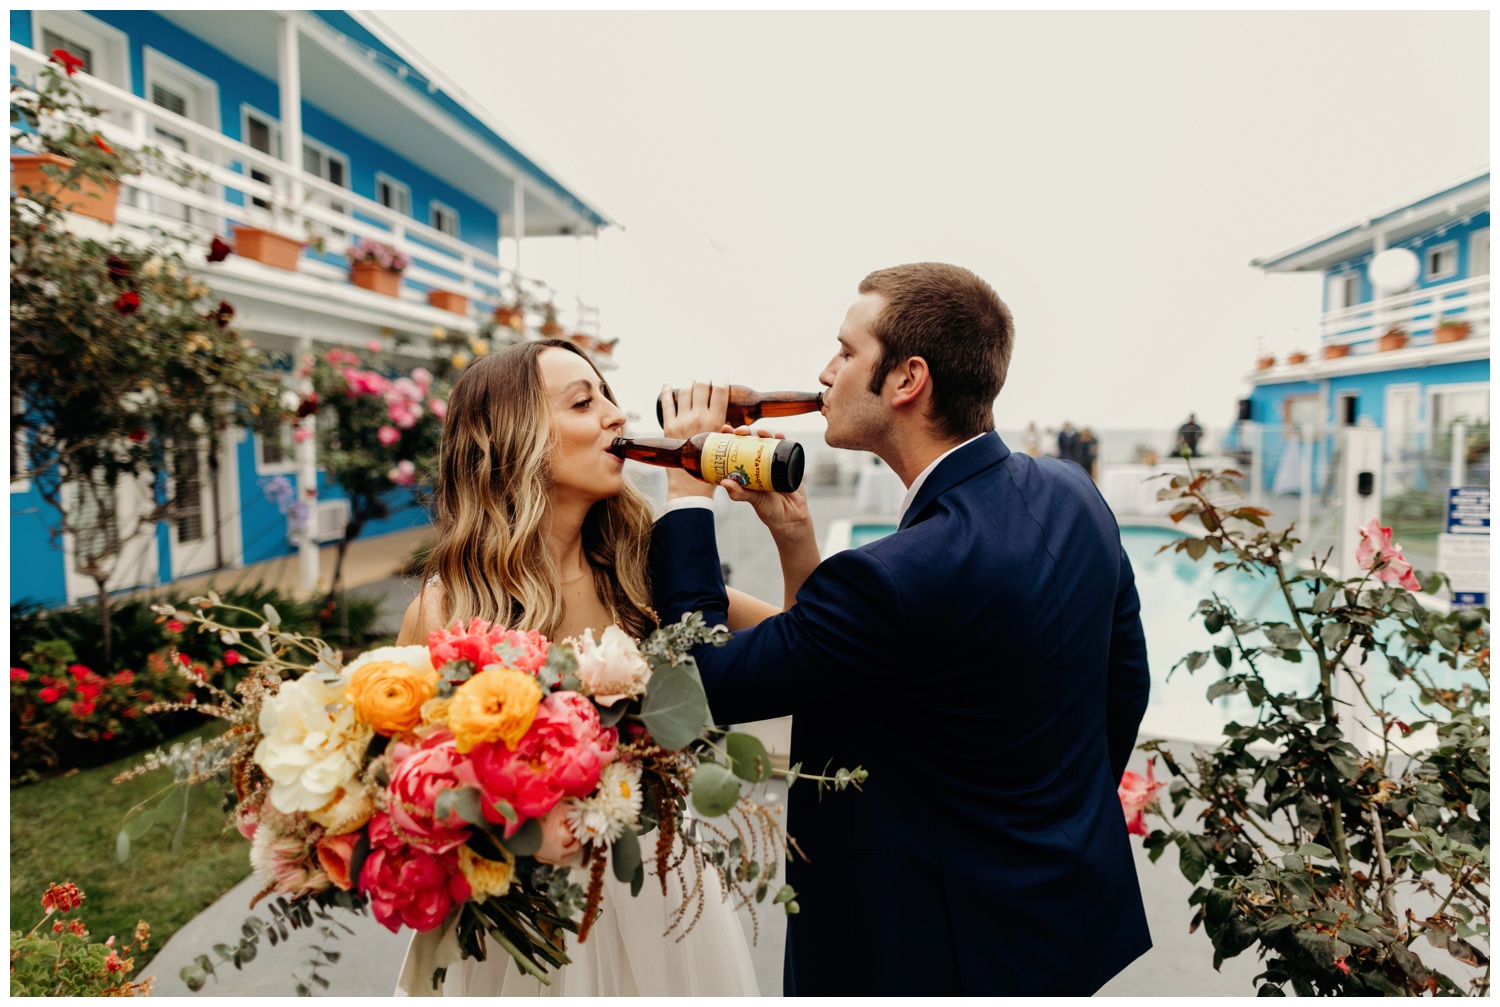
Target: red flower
(128, 303)
(78, 671)
(89, 688)
(57, 927)
(72, 64)
(108, 735)
(18, 675)
(113, 963)
(222, 314)
(137, 436)
(308, 405)
(232, 657)
(128, 713)
(51, 694)
(62, 898)
(1136, 794)
(99, 142)
(218, 250)
(83, 708)
(124, 677)
(173, 626)
(119, 269)
(1343, 964)
(187, 662)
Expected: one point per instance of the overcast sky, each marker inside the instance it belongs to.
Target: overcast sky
(1110, 174)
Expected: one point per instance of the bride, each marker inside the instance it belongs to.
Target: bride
(538, 529)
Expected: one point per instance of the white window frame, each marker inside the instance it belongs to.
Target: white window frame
(1339, 283)
(1393, 393)
(111, 46)
(288, 451)
(20, 453)
(396, 185)
(1475, 236)
(1433, 391)
(274, 125)
(1427, 254)
(436, 206)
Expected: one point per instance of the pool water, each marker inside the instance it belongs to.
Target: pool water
(1170, 585)
(861, 533)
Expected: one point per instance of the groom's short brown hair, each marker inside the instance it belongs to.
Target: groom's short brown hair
(956, 322)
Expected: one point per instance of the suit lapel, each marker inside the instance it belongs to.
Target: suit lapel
(963, 464)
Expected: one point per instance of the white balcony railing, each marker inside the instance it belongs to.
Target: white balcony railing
(1417, 312)
(293, 202)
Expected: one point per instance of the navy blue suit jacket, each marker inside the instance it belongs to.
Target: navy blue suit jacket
(986, 664)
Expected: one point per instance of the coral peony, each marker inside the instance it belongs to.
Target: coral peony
(388, 686)
(483, 644)
(335, 854)
(560, 756)
(494, 705)
(1136, 794)
(422, 772)
(409, 886)
(612, 669)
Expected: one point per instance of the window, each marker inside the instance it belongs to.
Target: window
(1442, 261)
(96, 518)
(393, 194)
(56, 40)
(1447, 405)
(273, 443)
(1479, 253)
(445, 219)
(20, 460)
(1343, 290)
(263, 134)
(189, 496)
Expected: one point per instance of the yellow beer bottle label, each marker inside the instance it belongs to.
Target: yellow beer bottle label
(746, 460)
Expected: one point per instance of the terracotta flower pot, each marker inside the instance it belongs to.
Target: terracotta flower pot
(90, 199)
(1335, 351)
(448, 301)
(1265, 363)
(551, 330)
(267, 247)
(1297, 357)
(1452, 332)
(373, 276)
(509, 318)
(1393, 340)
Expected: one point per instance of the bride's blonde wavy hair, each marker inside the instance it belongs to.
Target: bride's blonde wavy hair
(491, 507)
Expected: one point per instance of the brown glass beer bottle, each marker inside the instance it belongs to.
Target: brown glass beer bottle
(756, 463)
(746, 405)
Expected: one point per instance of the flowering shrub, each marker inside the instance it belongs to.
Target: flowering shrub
(58, 959)
(378, 253)
(1342, 824)
(56, 703)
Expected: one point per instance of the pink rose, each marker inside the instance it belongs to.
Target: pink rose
(560, 847)
(561, 755)
(438, 407)
(336, 853)
(1376, 549)
(404, 474)
(409, 886)
(374, 346)
(302, 434)
(387, 436)
(423, 377)
(405, 414)
(422, 772)
(1136, 793)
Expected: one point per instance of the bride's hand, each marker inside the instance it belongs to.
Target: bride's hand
(698, 408)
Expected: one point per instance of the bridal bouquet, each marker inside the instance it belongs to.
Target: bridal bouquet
(470, 774)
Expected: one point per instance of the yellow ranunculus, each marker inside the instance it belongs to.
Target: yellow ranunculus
(494, 705)
(388, 695)
(486, 877)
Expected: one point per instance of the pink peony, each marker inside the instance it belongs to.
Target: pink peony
(476, 643)
(560, 756)
(404, 474)
(1135, 794)
(404, 414)
(1376, 549)
(560, 847)
(409, 886)
(388, 436)
(438, 407)
(365, 382)
(302, 434)
(422, 772)
(423, 378)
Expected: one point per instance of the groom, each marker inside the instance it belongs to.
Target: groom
(985, 663)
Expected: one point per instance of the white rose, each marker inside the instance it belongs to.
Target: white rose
(612, 669)
(290, 400)
(311, 744)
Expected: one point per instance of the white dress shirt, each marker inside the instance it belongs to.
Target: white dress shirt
(916, 484)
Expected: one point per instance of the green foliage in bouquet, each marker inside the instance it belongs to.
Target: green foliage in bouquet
(123, 366)
(1337, 830)
(57, 959)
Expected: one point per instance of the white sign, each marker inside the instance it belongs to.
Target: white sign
(1466, 561)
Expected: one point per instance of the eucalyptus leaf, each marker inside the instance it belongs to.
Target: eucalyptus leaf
(714, 790)
(527, 840)
(748, 757)
(675, 708)
(626, 858)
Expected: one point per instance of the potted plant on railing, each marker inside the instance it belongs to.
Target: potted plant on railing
(1335, 350)
(512, 315)
(447, 300)
(550, 327)
(1265, 363)
(377, 266)
(1296, 357)
(1450, 331)
(1394, 339)
(74, 169)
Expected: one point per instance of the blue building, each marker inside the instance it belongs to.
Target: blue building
(314, 125)
(1407, 350)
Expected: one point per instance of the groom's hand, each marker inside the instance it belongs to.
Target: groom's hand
(784, 514)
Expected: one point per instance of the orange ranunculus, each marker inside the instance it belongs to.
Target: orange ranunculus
(495, 705)
(388, 695)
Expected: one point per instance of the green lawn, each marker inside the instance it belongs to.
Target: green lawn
(64, 830)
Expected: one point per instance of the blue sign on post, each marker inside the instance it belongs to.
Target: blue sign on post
(1469, 599)
(1469, 510)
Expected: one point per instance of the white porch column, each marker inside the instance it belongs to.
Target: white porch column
(1377, 318)
(518, 216)
(307, 485)
(289, 82)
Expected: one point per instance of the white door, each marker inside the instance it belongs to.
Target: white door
(1403, 429)
(135, 562)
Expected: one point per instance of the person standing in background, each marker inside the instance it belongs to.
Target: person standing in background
(1067, 442)
(1087, 452)
(1032, 441)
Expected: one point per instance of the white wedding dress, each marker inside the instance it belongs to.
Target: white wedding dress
(626, 954)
